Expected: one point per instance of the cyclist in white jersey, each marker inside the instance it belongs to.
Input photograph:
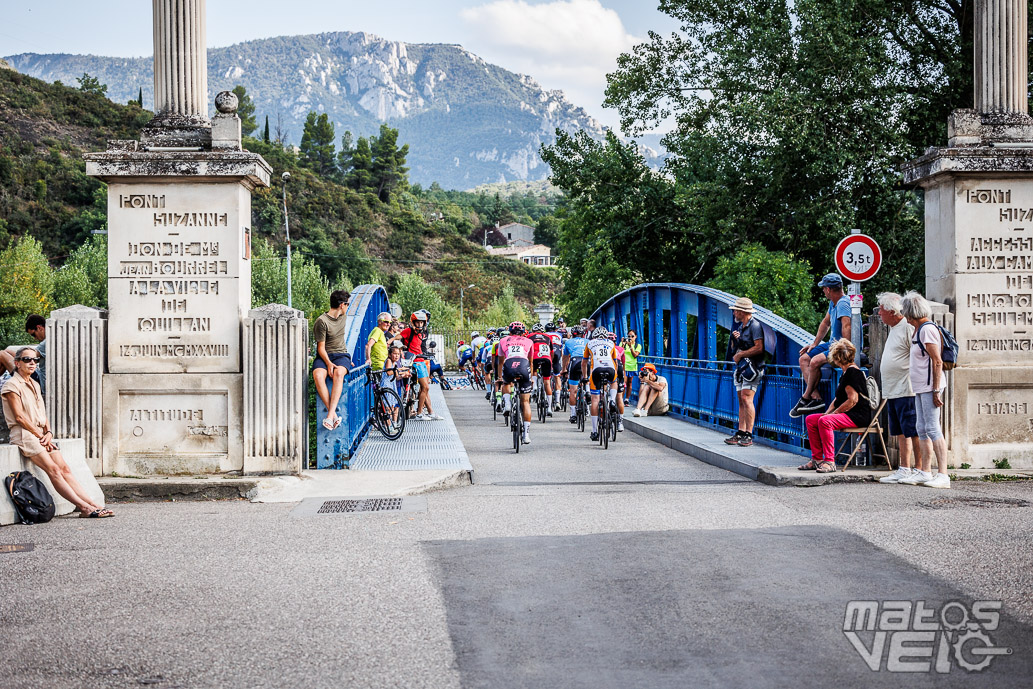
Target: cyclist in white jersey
(599, 365)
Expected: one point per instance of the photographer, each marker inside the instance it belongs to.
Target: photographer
(652, 393)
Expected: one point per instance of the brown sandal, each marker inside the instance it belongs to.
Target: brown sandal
(809, 466)
(827, 467)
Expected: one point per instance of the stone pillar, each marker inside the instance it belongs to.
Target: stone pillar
(275, 390)
(75, 366)
(979, 247)
(179, 269)
(1000, 56)
(180, 76)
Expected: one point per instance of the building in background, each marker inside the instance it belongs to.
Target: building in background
(533, 255)
(517, 234)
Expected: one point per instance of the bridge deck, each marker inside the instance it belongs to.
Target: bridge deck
(423, 445)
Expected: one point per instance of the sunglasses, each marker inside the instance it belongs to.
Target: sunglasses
(28, 360)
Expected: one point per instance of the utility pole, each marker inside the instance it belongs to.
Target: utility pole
(286, 223)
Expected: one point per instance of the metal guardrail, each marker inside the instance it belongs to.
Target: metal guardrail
(703, 392)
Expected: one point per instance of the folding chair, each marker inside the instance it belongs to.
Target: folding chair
(873, 427)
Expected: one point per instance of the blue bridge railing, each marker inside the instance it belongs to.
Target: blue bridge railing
(683, 330)
(334, 449)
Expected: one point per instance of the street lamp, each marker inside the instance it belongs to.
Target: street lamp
(462, 319)
(286, 223)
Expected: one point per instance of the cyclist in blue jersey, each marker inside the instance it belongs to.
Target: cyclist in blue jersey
(573, 352)
(464, 353)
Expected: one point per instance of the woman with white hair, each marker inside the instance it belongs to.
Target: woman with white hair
(928, 383)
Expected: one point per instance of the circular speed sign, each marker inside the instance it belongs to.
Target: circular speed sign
(858, 258)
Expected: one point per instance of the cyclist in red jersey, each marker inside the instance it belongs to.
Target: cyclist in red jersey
(514, 355)
(541, 360)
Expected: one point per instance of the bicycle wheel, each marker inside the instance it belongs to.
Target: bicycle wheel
(514, 421)
(604, 428)
(387, 413)
(613, 421)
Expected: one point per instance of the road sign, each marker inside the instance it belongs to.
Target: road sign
(858, 258)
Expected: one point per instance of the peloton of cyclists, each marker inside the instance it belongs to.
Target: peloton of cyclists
(513, 366)
(599, 365)
(556, 342)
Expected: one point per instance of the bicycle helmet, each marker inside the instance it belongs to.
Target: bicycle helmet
(418, 316)
(575, 331)
(599, 334)
(517, 328)
(474, 334)
(550, 326)
(538, 328)
(425, 312)
(461, 343)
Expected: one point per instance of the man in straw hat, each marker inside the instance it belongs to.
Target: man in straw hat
(747, 347)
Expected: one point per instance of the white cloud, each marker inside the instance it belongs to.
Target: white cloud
(565, 44)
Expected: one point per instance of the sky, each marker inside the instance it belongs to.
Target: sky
(563, 44)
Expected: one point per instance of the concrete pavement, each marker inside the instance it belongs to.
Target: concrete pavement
(686, 573)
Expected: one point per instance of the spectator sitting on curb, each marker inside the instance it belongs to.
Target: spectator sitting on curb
(652, 393)
(332, 358)
(36, 327)
(30, 432)
(747, 343)
(848, 410)
(813, 357)
(928, 382)
(896, 385)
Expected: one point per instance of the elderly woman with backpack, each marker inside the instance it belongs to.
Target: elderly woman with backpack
(849, 409)
(30, 431)
(928, 382)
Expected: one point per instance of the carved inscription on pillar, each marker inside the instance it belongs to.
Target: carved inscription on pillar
(180, 422)
(994, 271)
(177, 278)
(1000, 414)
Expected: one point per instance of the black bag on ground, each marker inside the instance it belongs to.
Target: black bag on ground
(31, 499)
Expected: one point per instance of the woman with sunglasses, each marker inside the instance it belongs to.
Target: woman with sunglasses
(30, 431)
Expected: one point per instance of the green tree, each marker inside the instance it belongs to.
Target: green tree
(309, 286)
(775, 280)
(84, 277)
(246, 111)
(791, 119)
(317, 144)
(389, 171)
(88, 84)
(265, 132)
(413, 293)
(546, 230)
(26, 286)
(498, 212)
(504, 309)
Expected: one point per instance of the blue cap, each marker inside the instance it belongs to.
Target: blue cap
(831, 280)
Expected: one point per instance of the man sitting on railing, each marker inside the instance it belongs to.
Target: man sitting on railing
(652, 393)
(332, 358)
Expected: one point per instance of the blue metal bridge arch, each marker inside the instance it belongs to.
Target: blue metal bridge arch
(679, 326)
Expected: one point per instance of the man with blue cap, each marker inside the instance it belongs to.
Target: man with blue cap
(814, 356)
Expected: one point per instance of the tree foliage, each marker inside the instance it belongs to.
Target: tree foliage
(317, 144)
(414, 293)
(26, 286)
(375, 164)
(309, 288)
(88, 84)
(83, 279)
(246, 111)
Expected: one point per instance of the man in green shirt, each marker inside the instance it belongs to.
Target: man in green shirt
(376, 345)
(332, 358)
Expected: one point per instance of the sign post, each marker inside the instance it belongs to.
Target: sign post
(858, 259)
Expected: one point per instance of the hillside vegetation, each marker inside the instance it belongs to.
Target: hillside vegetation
(52, 217)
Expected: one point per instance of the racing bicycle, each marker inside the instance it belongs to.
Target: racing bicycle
(386, 413)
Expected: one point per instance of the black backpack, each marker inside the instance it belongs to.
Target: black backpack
(31, 499)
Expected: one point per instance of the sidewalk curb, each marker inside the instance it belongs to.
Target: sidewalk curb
(117, 489)
(458, 479)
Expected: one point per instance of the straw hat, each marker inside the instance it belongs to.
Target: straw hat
(742, 304)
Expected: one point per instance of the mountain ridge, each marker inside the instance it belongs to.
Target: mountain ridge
(468, 122)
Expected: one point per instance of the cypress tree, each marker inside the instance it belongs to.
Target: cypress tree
(265, 132)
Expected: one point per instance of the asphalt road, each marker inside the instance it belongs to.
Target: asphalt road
(565, 565)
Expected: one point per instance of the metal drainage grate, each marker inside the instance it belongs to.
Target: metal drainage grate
(947, 503)
(371, 505)
(17, 548)
(313, 507)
